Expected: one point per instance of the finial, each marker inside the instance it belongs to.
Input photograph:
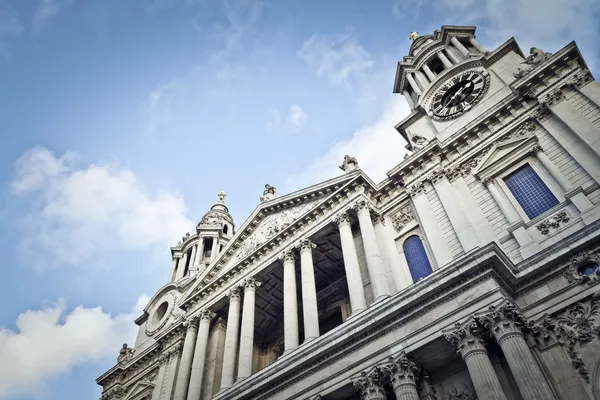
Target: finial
(222, 196)
(414, 35)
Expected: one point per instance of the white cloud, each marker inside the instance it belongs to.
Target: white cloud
(294, 120)
(78, 214)
(408, 8)
(45, 11)
(338, 58)
(47, 342)
(157, 107)
(378, 147)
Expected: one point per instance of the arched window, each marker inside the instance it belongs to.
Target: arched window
(418, 263)
(531, 192)
(225, 229)
(588, 269)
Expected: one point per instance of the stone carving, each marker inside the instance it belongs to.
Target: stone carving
(402, 218)
(426, 387)
(234, 293)
(579, 324)
(553, 222)
(342, 218)
(466, 338)
(191, 323)
(542, 112)
(582, 259)
(402, 371)
(370, 384)
(151, 377)
(269, 193)
(581, 78)
(416, 189)
(211, 219)
(349, 164)
(250, 283)
(125, 354)
(418, 142)
(206, 314)
(288, 255)
(542, 331)
(436, 176)
(361, 206)
(552, 98)
(503, 319)
(306, 244)
(525, 128)
(271, 226)
(535, 58)
(468, 393)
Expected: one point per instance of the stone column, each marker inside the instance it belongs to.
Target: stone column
(409, 99)
(467, 236)
(403, 373)
(173, 273)
(290, 302)
(431, 229)
(552, 169)
(193, 255)
(163, 362)
(187, 354)
(477, 45)
(171, 370)
(576, 121)
(181, 266)
(379, 281)
(444, 59)
(572, 143)
(505, 323)
(355, 284)
(371, 384)
(452, 56)
(215, 249)
(429, 72)
(467, 338)
(390, 254)
(231, 339)
(200, 355)
(247, 331)
(413, 83)
(421, 80)
(463, 50)
(309, 291)
(199, 252)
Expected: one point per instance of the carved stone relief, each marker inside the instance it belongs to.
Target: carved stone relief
(581, 260)
(402, 218)
(553, 223)
(466, 393)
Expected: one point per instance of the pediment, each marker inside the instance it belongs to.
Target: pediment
(141, 391)
(504, 153)
(270, 222)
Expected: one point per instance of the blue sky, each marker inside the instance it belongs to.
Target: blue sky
(121, 121)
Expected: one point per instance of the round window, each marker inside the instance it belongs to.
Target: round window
(160, 312)
(588, 269)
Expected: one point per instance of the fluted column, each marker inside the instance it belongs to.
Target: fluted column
(187, 354)
(200, 355)
(447, 63)
(505, 323)
(379, 280)
(309, 291)
(371, 384)
(463, 50)
(467, 338)
(290, 302)
(247, 331)
(231, 338)
(181, 266)
(413, 83)
(403, 373)
(215, 249)
(355, 284)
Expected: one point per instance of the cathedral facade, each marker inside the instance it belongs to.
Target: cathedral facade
(470, 272)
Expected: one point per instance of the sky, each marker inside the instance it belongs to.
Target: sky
(120, 121)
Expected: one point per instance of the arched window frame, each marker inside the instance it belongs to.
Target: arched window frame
(428, 252)
(543, 175)
(420, 237)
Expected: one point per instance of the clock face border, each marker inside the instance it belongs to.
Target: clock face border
(482, 77)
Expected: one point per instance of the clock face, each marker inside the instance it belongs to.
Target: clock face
(459, 95)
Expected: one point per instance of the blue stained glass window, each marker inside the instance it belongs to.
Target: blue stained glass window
(530, 191)
(418, 263)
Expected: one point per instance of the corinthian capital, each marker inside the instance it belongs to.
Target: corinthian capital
(342, 218)
(503, 320)
(306, 245)
(403, 371)
(466, 338)
(362, 205)
(370, 384)
(287, 255)
(206, 314)
(250, 283)
(191, 323)
(234, 293)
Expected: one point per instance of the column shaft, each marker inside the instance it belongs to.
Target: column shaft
(390, 254)
(477, 45)
(578, 123)
(452, 56)
(185, 365)
(181, 266)
(173, 273)
(215, 249)
(484, 377)
(503, 203)
(421, 80)
(463, 50)
(309, 291)
(553, 170)
(247, 330)
(478, 220)
(444, 59)
(199, 252)
(408, 98)
(193, 255)
(231, 339)
(290, 302)
(413, 83)
(355, 284)
(432, 231)
(199, 356)
(429, 72)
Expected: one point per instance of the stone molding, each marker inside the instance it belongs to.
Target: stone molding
(416, 189)
(578, 261)
(581, 78)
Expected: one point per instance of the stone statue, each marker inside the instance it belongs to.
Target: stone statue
(413, 36)
(418, 142)
(535, 58)
(125, 354)
(222, 195)
(349, 164)
(269, 193)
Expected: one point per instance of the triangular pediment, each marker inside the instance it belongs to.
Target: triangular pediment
(504, 153)
(269, 222)
(141, 391)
